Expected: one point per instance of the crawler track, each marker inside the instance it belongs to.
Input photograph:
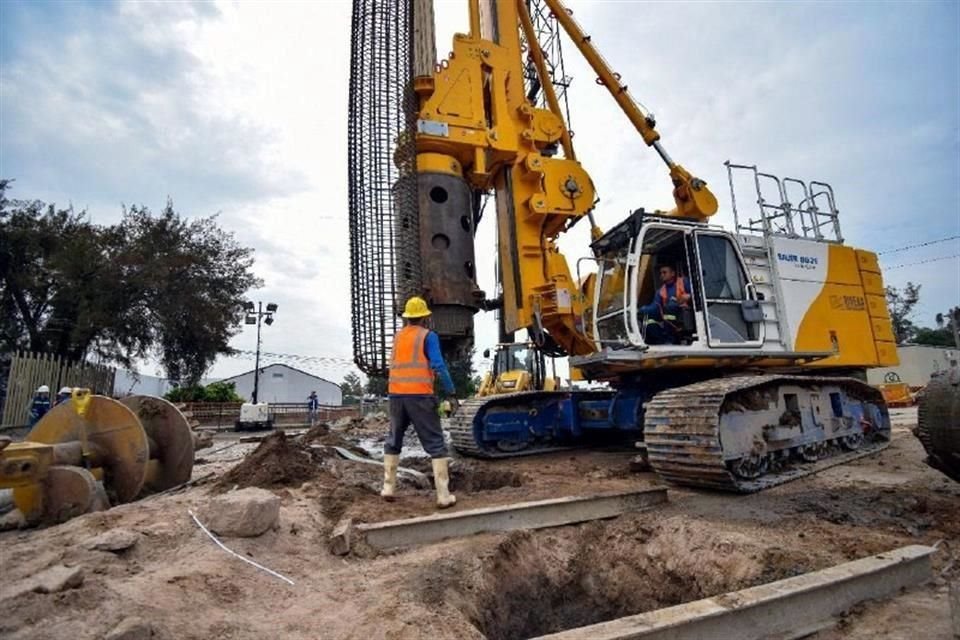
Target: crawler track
(682, 430)
(464, 439)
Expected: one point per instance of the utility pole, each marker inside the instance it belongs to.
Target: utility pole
(256, 315)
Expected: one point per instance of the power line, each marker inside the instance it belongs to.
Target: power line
(913, 264)
(293, 357)
(917, 246)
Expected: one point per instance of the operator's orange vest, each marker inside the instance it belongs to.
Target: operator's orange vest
(680, 292)
(410, 372)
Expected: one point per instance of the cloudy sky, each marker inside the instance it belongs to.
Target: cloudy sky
(240, 108)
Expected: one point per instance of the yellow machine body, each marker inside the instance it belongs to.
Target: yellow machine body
(517, 367)
(92, 451)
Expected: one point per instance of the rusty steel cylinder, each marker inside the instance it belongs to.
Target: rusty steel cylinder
(448, 267)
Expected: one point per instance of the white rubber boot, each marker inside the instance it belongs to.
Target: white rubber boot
(441, 478)
(390, 463)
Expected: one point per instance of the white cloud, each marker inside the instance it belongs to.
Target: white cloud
(241, 108)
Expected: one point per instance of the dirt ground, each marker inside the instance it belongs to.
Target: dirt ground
(511, 585)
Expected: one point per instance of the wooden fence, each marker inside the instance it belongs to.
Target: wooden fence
(30, 370)
(223, 415)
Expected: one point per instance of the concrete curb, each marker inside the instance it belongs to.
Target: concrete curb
(522, 515)
(789, 608)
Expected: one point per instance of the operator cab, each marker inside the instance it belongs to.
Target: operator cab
(519, 356)
(667, 284)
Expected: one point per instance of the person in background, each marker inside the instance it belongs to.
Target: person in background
(40, 404)
(313, 407)
(415, 361)
(63, 395)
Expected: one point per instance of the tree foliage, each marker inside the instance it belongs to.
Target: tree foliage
(352, 388)
(213, 392)
(148, 285)
(465, 378)
(944, 334)
(900, 305)
(376, 386)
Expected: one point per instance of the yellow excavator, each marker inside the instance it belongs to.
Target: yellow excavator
(736, 356)
(516, 367)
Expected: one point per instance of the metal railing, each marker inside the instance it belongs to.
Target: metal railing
(788, 207)
(224, 415)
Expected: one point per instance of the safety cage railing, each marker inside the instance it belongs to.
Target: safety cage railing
(787, 206)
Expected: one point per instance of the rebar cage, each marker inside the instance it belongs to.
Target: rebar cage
(384, 235)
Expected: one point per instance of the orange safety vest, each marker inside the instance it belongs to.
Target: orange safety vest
(410, 372)
(680, 292)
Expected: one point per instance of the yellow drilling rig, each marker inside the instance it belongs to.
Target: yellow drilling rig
(736, 356)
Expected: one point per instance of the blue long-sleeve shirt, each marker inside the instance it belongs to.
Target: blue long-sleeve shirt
(432, 348)
(654, 307)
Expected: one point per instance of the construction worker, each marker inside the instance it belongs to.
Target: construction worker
(663, 321)
(313, 407)
(416, 358)
(40, 404)
(63, 395)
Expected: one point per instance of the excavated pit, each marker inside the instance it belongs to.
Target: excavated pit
(536, 583)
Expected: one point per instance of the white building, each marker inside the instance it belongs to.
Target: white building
(127, 383)
(917, 363)
(282, 383)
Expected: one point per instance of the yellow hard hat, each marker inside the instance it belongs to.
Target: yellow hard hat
(416, 308)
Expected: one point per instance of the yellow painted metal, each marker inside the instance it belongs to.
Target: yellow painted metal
(24, 463)
(498, 138)
(112, 430)
(846, 317)
(693, 198)
(544, 75)
(477, 122)
(170, 437)
(53, 473)
(438, 163)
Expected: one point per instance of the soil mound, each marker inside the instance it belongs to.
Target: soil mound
(315, 433)
(278, 462)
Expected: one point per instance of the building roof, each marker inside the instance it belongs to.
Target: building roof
(279, 364)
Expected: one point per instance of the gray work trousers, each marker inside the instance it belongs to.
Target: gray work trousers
(422, 412)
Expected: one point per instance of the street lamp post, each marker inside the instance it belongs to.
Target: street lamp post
(257, 315)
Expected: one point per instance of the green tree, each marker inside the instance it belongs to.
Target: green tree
(376, 386)
(195, 276)
(151, 284)
(213, 392)
(465, 378)
(945, 334)
(352, 388)
(901, 304)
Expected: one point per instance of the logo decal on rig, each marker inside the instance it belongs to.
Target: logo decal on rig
(800, 261)
(848, 303)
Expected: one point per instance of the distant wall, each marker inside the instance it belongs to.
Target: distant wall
(127, 383)
(917, 364)
(284, 384)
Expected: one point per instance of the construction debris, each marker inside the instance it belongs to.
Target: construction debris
(115, 540)
(55, 579)
(132, 628)
(243, 514)
(235, 554)
(177, 580)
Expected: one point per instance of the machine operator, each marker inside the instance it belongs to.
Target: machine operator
(415, 360)
(663, 324)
